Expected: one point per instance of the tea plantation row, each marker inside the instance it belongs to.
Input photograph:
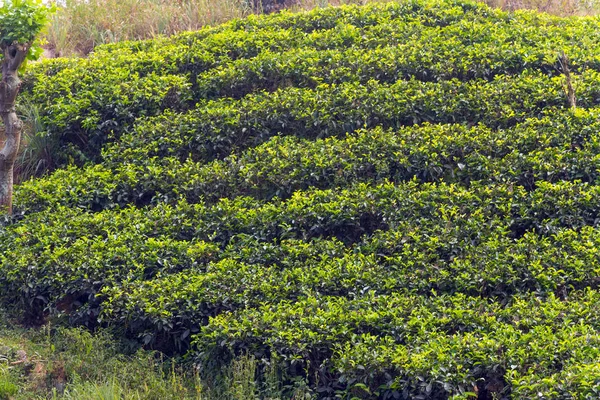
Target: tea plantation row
(83, 102)
(389, 201)
(561, 146)
(165, 271)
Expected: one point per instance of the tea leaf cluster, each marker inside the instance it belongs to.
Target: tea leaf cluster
(389, 201)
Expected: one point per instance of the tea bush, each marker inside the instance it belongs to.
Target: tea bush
(87, 101)
(552, 148)
(389, 201)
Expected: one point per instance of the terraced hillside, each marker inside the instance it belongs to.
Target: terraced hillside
(390, 201)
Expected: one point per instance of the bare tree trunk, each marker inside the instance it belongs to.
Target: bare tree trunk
(13, 57)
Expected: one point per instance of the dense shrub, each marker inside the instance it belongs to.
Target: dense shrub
(86, 101)
(391, 201)
(556, 147)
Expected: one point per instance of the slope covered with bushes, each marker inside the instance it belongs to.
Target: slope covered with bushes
(390, 201)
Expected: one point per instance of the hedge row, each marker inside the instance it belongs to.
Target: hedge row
(220, 127)
(168, 308)
(562, 146)
(79, 110)
(44, 258)
(83, 102)
(459, 51)
(468, 49)
(407, 346)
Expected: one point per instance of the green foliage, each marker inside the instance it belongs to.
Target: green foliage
(60, 363)
(537, 149)
(88, 102)
(391, 201)
(21, 21)
(447, 343)
(7, 387)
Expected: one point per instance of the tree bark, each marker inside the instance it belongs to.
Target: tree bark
(13, 57)
(569, 89)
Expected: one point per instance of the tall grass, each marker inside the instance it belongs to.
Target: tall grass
(80, 25)
(37, 147)
(53, 362)
(558, 7)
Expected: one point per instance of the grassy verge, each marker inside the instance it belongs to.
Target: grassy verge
(75, 364)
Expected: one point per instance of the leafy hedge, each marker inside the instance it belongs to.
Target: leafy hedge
(556, 147)
(85, 102)
(407, 346)
(390, 201)
(222, 126)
